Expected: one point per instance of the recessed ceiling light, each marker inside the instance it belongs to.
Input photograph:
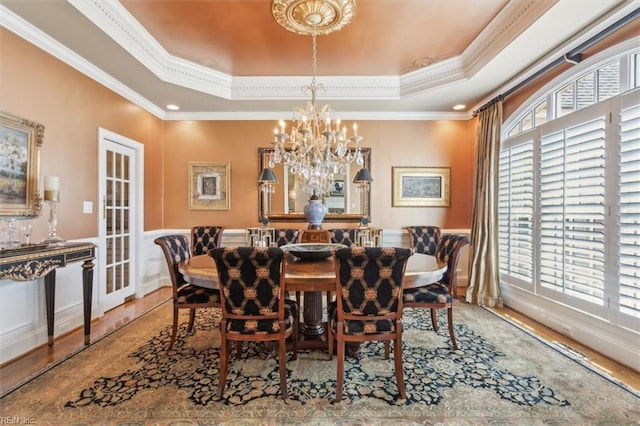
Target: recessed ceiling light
(459, 107)
(173, 107)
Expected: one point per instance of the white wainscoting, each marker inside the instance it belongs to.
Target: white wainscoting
(23, 319)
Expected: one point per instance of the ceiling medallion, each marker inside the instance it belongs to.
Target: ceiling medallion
(308, 16)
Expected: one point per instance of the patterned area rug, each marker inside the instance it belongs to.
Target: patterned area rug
(499, 375)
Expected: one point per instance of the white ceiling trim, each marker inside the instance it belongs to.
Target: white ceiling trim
(116, 21)
(344, 115)
(33, 35)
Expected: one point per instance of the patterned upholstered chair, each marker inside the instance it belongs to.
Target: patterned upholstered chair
(424, 239)
(185, 296)
(343, 236)
(287, 236)
(204, 238)
(440, 295)
(254, 305)
(369, 303)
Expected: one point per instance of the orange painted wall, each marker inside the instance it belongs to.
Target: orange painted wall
(392, 143)
(72, 107)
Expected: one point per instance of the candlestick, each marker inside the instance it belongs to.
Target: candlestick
(52, 188)
(52, 197)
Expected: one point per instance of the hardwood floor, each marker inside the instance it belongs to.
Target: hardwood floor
(16, 371)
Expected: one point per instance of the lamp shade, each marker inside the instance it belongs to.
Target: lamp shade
(267, 176)
(363, 176)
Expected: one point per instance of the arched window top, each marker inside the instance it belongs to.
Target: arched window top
(609, 73)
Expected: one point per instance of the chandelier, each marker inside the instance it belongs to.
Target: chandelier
(316, 147)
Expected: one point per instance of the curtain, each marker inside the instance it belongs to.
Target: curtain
(484, 278)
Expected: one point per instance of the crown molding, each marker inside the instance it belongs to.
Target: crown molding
(344, 115)
(501, 31)
(115, 21)
(33, 35)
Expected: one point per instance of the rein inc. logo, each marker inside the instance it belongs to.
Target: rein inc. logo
(15, 420)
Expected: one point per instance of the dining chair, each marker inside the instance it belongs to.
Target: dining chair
(204, 238)
(368, 305)
(287, 236)
(423, 239)
(185, 296)
(252, 288)
(343, 236)
(315, 236)
(440, 295)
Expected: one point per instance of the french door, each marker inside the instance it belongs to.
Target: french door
(118, 171)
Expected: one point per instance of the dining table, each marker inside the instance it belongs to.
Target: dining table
(313, 278)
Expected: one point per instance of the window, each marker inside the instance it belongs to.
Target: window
(569, 195)
(597, 84)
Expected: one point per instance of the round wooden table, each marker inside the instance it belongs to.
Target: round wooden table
(314, 278)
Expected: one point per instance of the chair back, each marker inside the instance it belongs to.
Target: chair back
(205, 238)
(175, 249)
(424, 239)
(369, 283)
(251, 285)
(315, 236)
(449, 249)
(343, 236)
(287, 236)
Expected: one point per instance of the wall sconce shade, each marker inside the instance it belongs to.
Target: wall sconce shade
(363, 176)
(267, 176)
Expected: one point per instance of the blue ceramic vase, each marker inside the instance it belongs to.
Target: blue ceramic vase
(315, 212)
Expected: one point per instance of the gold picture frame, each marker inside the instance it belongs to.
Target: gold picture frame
(20, 143)
(421, 186)
(209, 185)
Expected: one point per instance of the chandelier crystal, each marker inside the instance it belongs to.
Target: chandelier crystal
(316, 146)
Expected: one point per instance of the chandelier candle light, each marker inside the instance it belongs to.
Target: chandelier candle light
(317, 146)
(52, 197)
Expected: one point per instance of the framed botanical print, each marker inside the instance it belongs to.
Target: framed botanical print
(20, 143)
(209, 185)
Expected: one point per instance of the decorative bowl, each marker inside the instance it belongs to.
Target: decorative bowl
(311, 251)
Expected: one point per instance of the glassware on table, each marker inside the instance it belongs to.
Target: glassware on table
(26, 233)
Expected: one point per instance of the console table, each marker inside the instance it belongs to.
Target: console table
(31, 263)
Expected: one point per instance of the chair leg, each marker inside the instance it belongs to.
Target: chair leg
(340, 370)
(224, 362)
(192, 318)
(386, 349)
(174, 330)
(450, 322)
(434, 319)
(282, 361)
(397, 358)
(330, 337)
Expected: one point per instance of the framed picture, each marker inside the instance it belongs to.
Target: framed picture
(338, 188)
(421, 186)
(209, 185)
(20, 143)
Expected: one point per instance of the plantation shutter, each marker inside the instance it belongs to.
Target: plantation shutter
(515, 211)
(629, 210)
(572, 210)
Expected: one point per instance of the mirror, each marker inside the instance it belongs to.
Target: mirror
(348, 203)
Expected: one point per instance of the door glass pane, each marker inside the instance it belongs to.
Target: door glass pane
(125, 168)
(125, 192)
(118, 163)
(110, 279)
(109, 163)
